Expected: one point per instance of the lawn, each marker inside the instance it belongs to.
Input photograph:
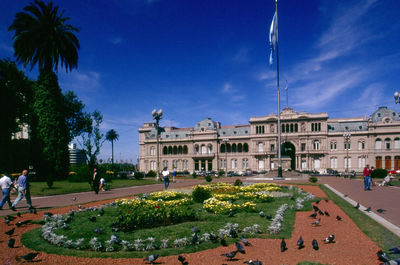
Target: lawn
(178, 234)
(64, 187)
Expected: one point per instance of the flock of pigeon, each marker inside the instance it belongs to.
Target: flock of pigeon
(11, 241)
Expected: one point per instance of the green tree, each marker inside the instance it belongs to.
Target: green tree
(51, 132)
(112, 136)
(76, 119)
(42, 37)
(15, 98)
(92, 139)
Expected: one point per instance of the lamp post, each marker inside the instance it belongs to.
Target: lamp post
(396, 97)
(217, 153)
(347, 137)
(226, 140)
(157, 116)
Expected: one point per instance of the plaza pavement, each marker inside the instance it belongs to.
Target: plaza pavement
(386, 198)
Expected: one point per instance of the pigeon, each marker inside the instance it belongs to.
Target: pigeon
(326, 200)
(253, 262)
(195, 229)
(395, 250)
(79, 206)
(92, 218)
(314, 215)
(64, 226)
(320, 212)
(382, 256)
(223, 242)
(345, 195)
(262, 214)
(230, 255)
(317, 201)
(10, 232)
(381, 210)
(368, 209)
(19, 214)
(7, 221)
(233, 233)
(269, 217)
(244, 240)
(18, 224)
(182, 260)
(151, 258)
(357, 206)
(11, 243)
(315, 207)
(29, 257)
(115, 239)
(49, 214)
(392, 262)
(239, 248)
(338, 218)
(10, 217)
(314, 244)
(317, 222)
(300, 242)
(101, 212)
(326, 213)
(283, 245)
(330, 239)
(98, 230)
(74, 198)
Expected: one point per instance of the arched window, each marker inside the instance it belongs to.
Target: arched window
(185, 149)
(180, 149)
(333, 162)
(240, 147)
(333, 146)
(169, 150)
(234, 163)
(296, 127)
(361, 145)
(175, 150)
(152, 151)
(287, 127)
(283, 127)
(233, 148)
(387, 143)
(378, 144)
(165, 150)
(291, 128)
(203, 149)
(222, 148)
(245, 147)
(196, 149)
(260, 147)
(316, 145)
(228, 148)
(209, 148)
(256, 129)
(396, 143)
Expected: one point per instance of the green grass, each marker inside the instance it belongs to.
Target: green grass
(207, 222)
(64, 186)
(376, 232)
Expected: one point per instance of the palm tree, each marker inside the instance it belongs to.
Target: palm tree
(112, 136)
(42, 37)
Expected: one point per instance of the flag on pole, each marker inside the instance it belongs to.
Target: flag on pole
(273, 37)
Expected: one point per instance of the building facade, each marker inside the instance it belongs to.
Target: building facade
(309, 141)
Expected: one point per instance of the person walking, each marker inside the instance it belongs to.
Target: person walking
(6, 185)
(165, 174)
(23, 190)
(174, 175)
(95, 181)
(367, 178)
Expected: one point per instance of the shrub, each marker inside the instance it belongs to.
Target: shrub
(186, 172)
(151, 174)
(208, 178)
(238, 182)
(379, 173)
(82, 174)
(138, 175)
(194, 175)
(313, 179)
(200, 194)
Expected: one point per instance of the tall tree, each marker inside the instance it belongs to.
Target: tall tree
(42, 37)
(92, 139)
(112, 136)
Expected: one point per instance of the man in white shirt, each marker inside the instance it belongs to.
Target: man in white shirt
(6, 184)
(165, 173)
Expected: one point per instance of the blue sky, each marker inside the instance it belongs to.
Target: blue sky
(208, 58)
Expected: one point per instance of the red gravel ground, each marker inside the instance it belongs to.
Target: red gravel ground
(351, 245)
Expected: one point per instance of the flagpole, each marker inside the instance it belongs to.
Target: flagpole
(277, 82)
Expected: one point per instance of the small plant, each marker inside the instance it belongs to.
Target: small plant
(151, 174)
(138, 175)
(313, 179)
(379, 173)
(200, 194)
(194, 175)
(208, 178)
(238, 182)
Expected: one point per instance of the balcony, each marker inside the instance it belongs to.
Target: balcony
(203, 156)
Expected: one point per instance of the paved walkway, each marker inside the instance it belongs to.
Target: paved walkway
(386, 198)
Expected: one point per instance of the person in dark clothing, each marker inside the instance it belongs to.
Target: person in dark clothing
(95, 181)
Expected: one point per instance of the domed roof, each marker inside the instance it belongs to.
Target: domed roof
(384, 112)
(206, 124)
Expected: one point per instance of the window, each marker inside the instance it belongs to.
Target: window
(165, 150)
(185, 164)
(303, 147)
(378, 144)
(333, 162)
(196, 149)
(245, 163)
(347, 146)
(291, 128)
(283, 127)
(296, 127)
(174, 163)
(165, 163)
(316, 145)
(396, 143)
(240, 148)
(234, 148)
(361, 145)
(223, 163)
(272, 147)
(260, 147)
(345, 162)
(361, 162)
(203, 149)
(209, 149)
(260, 164)
(387, 143)
(234, 163)
(245, 147)
(317, 163)
(153, 165)
(185, 149)
(152, 151)
(333, 146)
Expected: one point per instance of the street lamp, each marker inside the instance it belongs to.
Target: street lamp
(157, 116)
(347, 137)
(226, 140)
(396, 97)
(217, 153)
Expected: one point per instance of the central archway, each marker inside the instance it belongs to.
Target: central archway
(289, 150)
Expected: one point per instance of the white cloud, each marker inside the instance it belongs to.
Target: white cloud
(80, 81)
(242, 55)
